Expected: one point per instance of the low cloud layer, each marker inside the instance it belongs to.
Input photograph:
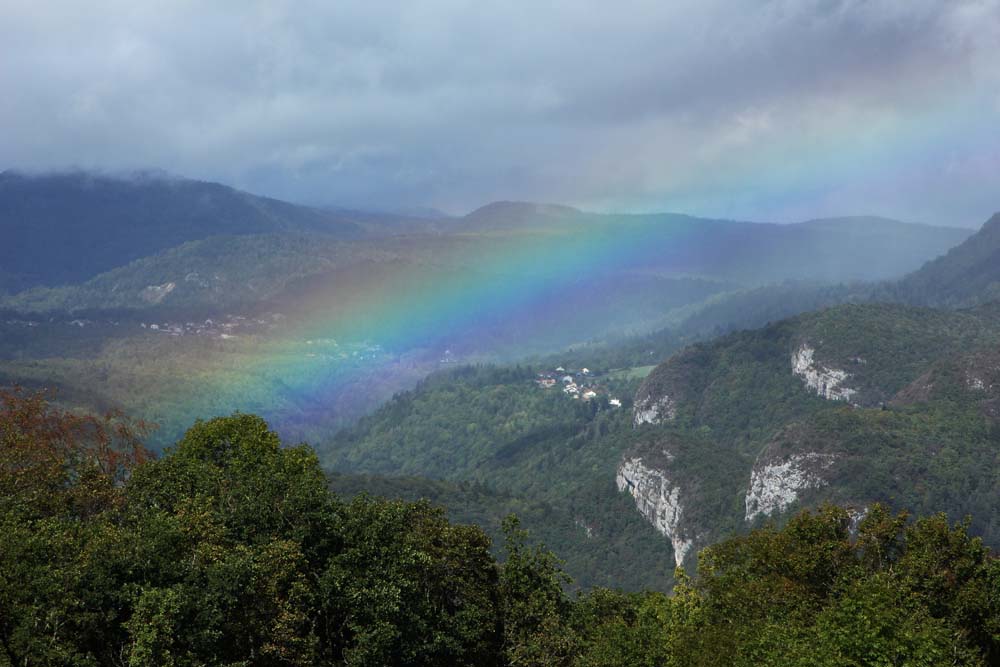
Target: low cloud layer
(776, 110)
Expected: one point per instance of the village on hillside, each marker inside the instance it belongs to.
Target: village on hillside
(580, 384)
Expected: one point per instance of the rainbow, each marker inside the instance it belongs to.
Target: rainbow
(368, 322)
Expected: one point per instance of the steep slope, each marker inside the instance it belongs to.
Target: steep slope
(492, 440)
(65, 228)
(853, 404)
(967, 275)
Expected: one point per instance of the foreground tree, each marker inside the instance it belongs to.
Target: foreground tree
(900, 593)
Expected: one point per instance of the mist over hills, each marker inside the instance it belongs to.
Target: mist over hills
(831, 249)
(116, 239)
(107, 255)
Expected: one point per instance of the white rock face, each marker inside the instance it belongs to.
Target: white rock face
(776, 485)
(826, 382)
(156, 293)
(658, 499)
(652, 410)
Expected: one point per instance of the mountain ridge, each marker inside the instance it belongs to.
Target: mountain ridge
(66, 227)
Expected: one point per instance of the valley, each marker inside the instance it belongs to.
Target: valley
(441, 334)
(333, 338)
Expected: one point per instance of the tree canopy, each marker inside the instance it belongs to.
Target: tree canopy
(230, 549)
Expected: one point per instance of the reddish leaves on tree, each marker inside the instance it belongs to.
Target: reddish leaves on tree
(45, 450)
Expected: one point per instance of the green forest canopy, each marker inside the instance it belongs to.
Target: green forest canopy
(231, 550)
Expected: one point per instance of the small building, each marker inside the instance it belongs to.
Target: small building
(615, 403)
(589, 394)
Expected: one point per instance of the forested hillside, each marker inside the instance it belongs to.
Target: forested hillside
(967, 275)
(492, 439)
(66, 228)
(823, 406)
(724, 435)
(231, 550)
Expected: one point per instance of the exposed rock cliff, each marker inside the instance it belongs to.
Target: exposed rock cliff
(654, 410)
(658, 499)
(156, 293)
(750, 440)
(826, 382)
(776, 484)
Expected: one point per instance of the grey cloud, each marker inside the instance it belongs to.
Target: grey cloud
(630, 106)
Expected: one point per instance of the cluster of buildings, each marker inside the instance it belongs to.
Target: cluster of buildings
(223, 329)
(581, 384)
(79, 323)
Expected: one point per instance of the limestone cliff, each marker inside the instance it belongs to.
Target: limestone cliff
(658, 498)
(777, 483)
(824, 381)
(654, 410)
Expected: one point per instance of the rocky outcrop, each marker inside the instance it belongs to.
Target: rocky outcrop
(654, 410)
(775, 484)
(658, 499)
(156, 293)
(826, 382)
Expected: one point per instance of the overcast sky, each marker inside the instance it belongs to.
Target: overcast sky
(761, 110)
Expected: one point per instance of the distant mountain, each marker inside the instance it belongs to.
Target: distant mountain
(968, 274)
(218, 273)
(828, 250)
(68, 227)
(506, 215)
